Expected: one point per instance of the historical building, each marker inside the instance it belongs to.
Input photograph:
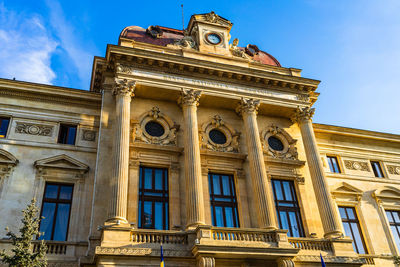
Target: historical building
(190, 140)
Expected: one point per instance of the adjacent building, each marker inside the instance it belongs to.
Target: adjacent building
(188, 140)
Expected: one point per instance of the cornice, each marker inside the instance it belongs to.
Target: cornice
(338, 130)
(48, 93)
(271, 76)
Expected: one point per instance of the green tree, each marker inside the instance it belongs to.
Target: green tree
(24, 255)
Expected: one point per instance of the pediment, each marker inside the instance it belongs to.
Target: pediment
(7, 158)
(346, 189)
(387, 192)
(63, 162)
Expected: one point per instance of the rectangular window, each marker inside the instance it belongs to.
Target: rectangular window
(67, 134)
(333, 164)
(223, 202)
(287, 207)
(56, 209)
(376, 167)
(153, 198)
(352, 228)
(4, 126)
(394, 221)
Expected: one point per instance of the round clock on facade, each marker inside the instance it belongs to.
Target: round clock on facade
(213, 38)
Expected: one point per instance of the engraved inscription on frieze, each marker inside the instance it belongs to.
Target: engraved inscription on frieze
(34, 129)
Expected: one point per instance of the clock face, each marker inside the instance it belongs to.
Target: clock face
(213, 38)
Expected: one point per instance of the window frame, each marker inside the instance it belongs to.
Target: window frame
(379, 163)
(8, 126)
(163, 199)
(287, 209)
(67, 135)
(358, 223)
(329, 157)
(233, 203)
(393, 224)
(57, 201)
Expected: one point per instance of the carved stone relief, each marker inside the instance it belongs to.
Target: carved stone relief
(168, 131)
(356, 165)
(88, 135)
(34, 129)
(393, 169)
(289, 150)
(231, 143)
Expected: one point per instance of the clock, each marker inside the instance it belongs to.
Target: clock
(213, 38)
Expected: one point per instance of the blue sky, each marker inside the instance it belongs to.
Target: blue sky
(353, 47)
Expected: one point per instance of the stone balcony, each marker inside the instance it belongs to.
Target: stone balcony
(226, 244)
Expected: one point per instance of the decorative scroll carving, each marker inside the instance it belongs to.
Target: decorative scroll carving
(356, 165)
(289, 144)
(88, 135)
(393, 169)
(122, 251)
(216, 123)
(189, 97)
(247, 106)
(139, 133)
(302, 114)
(124, 87)
(206, 262)
(34, 129)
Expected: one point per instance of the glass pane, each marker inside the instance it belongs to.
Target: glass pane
(236, 217)
(140, 214)
(395, 235)
(148, 178)
(209, 183)
(158, 216)
(3, 127)
(166, 217)
(46, 225)
(347, 229)
(278, 190)
(61, 228)
(158, 179)
(342, 212)
(51, 191)
(358, 238)
(66, 192)
(286, 188)
(225, 185)
(335, 165)
(350, 213)
(331, 168)
(71, 135)
(229, 217)
(219, 217)
(396, 216)
(284, 221)
(147, 215)
(389, 216)
(293, 223)
(216, 186)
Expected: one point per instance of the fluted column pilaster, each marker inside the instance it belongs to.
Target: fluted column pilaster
(329, 216)
(123, 91)
(189, 101)
(261, 187)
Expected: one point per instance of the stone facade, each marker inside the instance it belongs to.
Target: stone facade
(154, 105)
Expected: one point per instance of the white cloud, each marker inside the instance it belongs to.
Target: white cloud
(77, 51)
(25, 47)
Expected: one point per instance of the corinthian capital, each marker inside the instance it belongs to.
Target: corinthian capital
(247, 106)
(124, 87)
(303, 114)
(189, 97)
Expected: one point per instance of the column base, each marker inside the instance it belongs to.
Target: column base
(117, 221)
(333, 235)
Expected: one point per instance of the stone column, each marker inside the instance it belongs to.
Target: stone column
(189, 100)
(123, 91)
(329, 216)
(261, 187)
